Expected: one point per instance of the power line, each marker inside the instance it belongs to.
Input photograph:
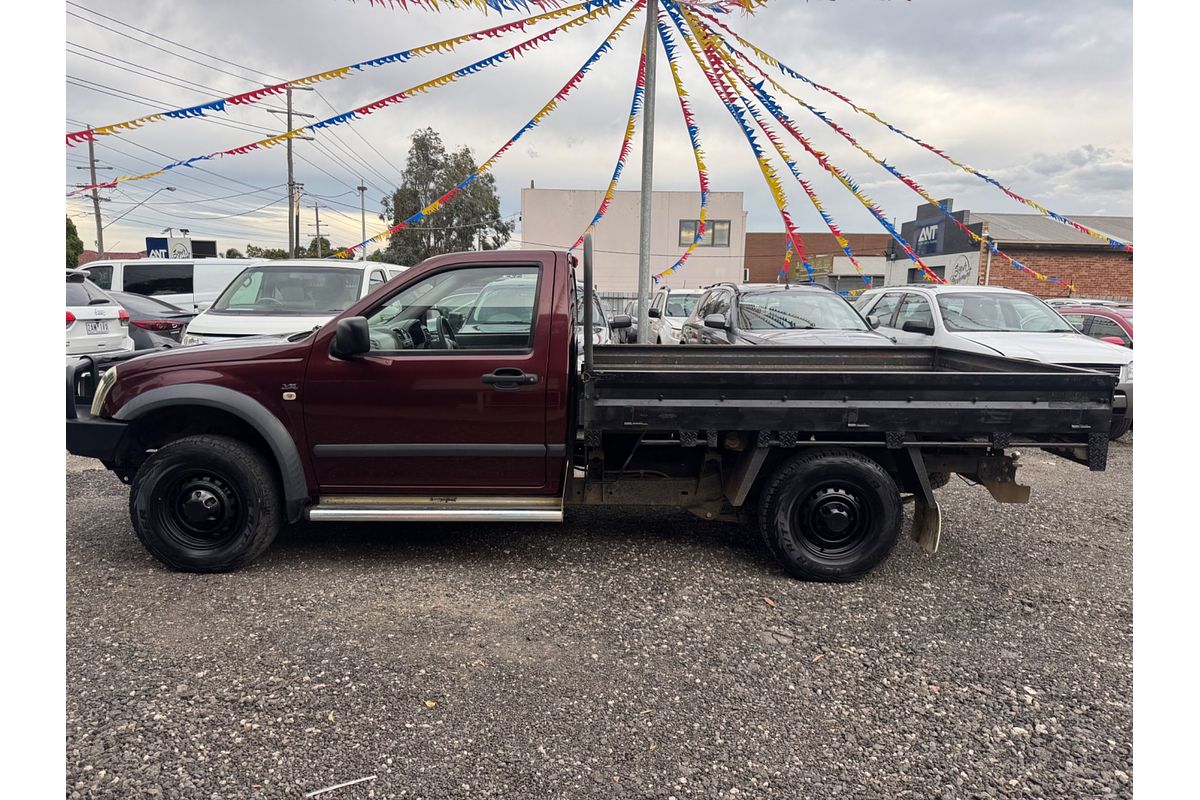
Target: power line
(171, 41)
(148, 44)
(354, 155)
(206, 199)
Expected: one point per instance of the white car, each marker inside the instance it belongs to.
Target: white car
(280, 297)
(96, 324)
(191, 284)
(994, 320)
(669, 309)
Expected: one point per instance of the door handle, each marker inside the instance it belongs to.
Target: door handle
(509, 378)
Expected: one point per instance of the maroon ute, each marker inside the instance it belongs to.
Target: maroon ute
(455, 393)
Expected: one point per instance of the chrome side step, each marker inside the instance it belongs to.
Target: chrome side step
(436, 509)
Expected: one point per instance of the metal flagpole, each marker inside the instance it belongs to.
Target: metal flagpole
(643, 301)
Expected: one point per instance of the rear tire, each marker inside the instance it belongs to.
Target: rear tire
(830, 515)
(1119, 428)
(206, 504)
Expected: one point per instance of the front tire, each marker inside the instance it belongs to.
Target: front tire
(831, 515)
(206, 504)
(1119, 428)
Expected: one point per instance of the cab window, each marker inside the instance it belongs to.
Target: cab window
(885, 309)
(465, 309)
(101, 276)
(914, 309)
(1103, 326)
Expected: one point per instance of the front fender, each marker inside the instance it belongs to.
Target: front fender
(250, 411)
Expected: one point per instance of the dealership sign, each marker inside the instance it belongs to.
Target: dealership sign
(162, 247)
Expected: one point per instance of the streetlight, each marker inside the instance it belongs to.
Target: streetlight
(156, 191)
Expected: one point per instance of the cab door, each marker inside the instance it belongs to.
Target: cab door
(431, 408)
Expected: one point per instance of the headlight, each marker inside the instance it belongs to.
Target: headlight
(191, 338)
(106, 382)
(1127, 373)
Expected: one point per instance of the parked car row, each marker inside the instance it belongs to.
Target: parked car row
(157, 303)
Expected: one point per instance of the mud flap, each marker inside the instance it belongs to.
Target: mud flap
(927, 514)
(927, 524)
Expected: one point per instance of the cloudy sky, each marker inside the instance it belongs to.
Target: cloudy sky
(1036, 93)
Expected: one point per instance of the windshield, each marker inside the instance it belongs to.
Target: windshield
(290, 291)
(994, 311)
(681, 305)
(799, 309)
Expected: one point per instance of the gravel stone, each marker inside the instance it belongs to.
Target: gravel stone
(625, 653)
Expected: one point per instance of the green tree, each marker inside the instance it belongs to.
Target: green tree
(376, 256)
(233, 253)
(473, 217)
(74, 244)
(253, 251)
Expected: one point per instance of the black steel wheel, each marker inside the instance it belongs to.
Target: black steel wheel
(830, 515)
(206, 504)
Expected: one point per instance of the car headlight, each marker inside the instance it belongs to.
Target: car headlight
(191, 338)
(1127, 373)
(106, 382)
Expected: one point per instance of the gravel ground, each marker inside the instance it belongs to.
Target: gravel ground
(615, 656)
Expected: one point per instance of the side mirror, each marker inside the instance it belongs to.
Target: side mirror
(1114, 340)
(353, 338)
(654, 313)
(620, 321)
(872, 321)
(717, 321)
(914, 326)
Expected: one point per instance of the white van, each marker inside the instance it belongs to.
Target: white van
(185, 282)
(278, 297)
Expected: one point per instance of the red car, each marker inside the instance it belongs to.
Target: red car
(1107, 324)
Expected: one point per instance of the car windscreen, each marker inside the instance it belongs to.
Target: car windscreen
(995, 311)
(290, 291)
(797, 309)
(681, 305)
(85, 293)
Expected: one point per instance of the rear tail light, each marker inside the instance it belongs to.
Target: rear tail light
(158, 325)
(70, 318)
(123, 315)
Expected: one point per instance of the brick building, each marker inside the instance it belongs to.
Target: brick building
(1096, 269)
(765, 252)
(88, 256)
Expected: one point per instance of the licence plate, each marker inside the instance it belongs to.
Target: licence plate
(99, 326)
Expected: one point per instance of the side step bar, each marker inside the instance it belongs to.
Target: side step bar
(437, 509)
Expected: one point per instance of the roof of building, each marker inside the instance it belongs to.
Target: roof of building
(1034, 229)
(88, 256)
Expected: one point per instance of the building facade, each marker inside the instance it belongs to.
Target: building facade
(765, 259)
(1094, 268)
(555, 218)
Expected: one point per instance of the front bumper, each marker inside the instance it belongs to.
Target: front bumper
(92, 437)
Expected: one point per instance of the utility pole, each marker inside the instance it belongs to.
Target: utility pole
(317, 212)
(644, 238)
(293, 195)
(96, 198)
(362, 205)
(95, 194)
(987, 275)
(294, 244)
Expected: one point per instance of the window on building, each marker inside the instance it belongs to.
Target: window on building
(716, 232)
